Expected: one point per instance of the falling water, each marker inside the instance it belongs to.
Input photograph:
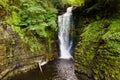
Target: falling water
(58, 69)
(64, 24)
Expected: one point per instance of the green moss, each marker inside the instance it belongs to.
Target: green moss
(3, 48)
(35, 23)
(98, 51)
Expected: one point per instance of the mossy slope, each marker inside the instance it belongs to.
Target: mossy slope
(98, 50)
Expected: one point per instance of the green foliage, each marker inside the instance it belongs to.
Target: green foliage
(91, 32)
(14, 19)
(34, 21)
(38, 18)
(98, 52)
(4, 4)
(112, 37)
(74, 2)
(58, 3)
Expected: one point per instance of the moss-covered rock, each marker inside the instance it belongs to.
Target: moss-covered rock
(15, 53)
(98, 50)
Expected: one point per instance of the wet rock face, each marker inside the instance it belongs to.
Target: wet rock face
(10, 48)
(3, 48)
(97, 49)
(60, 69)
(14, 53)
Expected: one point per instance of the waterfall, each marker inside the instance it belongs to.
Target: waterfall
(64, 35)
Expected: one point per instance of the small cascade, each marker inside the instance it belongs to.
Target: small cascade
(65, 23)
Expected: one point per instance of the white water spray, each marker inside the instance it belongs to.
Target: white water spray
(64, 24)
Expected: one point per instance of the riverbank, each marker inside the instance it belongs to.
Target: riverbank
(10, 72)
